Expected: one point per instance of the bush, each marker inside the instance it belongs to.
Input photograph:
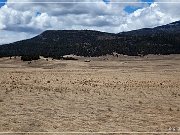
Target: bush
(57, 57)
(29, 58)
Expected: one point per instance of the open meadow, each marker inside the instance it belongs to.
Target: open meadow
(105, 94)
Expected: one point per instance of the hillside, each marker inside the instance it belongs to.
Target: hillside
(56, 43)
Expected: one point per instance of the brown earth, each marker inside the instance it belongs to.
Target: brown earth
(107, 94)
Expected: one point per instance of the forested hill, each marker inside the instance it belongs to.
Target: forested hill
(56, 43)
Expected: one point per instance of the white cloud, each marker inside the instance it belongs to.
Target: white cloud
(43, 21)
(147, 17)
(10, 36)
(171, 8)
(22, 20)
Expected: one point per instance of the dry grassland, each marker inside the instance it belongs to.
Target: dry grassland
(108, 94)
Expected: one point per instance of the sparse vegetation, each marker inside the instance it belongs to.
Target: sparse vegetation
(170, 109)
(116, 94)
(140, 102)
(48, 81)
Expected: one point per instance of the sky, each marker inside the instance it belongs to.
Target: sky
(23, 19)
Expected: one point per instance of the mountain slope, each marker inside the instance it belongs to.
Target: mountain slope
(172, 28)
(56, 43)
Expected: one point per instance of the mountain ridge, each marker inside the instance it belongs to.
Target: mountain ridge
(56, 43)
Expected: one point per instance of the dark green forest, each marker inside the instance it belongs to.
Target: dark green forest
(56, 43)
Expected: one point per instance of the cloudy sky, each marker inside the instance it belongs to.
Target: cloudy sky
(22, 19)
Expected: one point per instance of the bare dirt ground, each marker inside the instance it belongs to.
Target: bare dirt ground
(108, 94)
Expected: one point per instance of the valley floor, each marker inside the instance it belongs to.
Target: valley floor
(107, 94)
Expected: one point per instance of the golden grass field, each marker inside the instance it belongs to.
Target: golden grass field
(108, 94)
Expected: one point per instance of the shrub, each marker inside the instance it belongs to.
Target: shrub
(29, 58)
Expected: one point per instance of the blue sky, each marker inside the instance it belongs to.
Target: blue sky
(130, 9)
(149, 1)
(1, 4)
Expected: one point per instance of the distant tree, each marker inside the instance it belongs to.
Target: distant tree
(29, 58)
